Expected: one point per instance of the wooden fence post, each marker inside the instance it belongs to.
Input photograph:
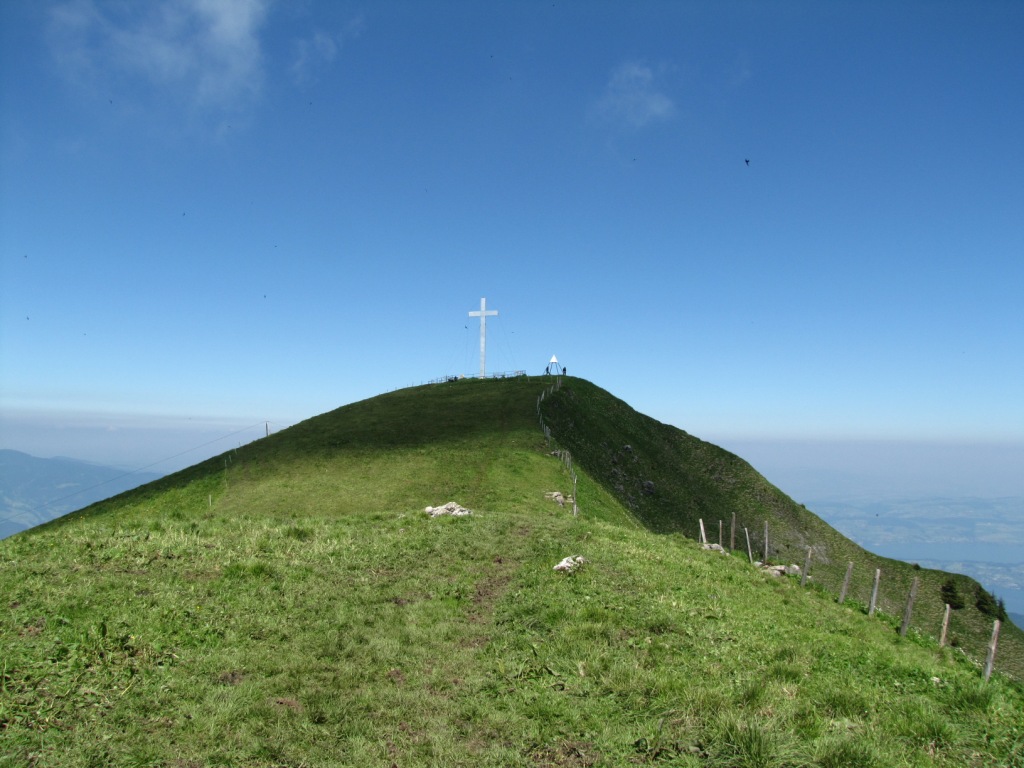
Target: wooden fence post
(991, 658)
(732, 533)
(765, 561)
(908, 611)
(750, 554)
(807, 568)
(945, 627)
(703, 538)
(846, 582)
(719, 533)
(874, 592)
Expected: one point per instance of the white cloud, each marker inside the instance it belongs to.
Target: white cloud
(205, 53)
(321, 49)
(631, 97)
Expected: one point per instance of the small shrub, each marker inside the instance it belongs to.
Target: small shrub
(986, 602)
(951, 595)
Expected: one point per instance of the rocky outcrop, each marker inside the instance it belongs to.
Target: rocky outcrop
(780, 570)
(570, 564)
(451, 508)
(558, 497)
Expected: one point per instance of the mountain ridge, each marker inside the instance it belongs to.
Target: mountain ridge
(671, 480)
(288, 602)
(34, 490)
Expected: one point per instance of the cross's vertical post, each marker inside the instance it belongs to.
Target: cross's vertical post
(483, 314)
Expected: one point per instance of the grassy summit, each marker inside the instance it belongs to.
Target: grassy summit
(290, 604)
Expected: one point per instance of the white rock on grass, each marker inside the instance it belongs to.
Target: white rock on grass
(780, 570)
(570, 564)
(451, 508)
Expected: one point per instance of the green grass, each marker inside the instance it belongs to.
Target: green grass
(670, 480)
(289, 604)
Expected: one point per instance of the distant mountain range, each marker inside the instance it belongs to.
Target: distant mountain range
(34, 490)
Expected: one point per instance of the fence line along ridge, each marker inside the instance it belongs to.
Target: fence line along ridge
(563, 454)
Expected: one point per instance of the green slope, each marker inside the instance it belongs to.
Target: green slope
(671, 480)
(290, 604)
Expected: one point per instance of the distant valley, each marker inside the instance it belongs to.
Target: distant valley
(34, 490)
(982, 538)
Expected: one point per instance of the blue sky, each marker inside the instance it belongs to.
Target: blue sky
(219, 214)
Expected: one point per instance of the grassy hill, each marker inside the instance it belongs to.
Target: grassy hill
(670, 480)
(289, 604)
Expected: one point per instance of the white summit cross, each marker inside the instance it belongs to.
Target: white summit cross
(483, 314)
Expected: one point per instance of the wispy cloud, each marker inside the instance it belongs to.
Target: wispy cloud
(205, 53)
(321, 48)
(632, 97)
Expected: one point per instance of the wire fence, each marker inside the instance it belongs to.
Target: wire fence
(461, 377)
(564, 455)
